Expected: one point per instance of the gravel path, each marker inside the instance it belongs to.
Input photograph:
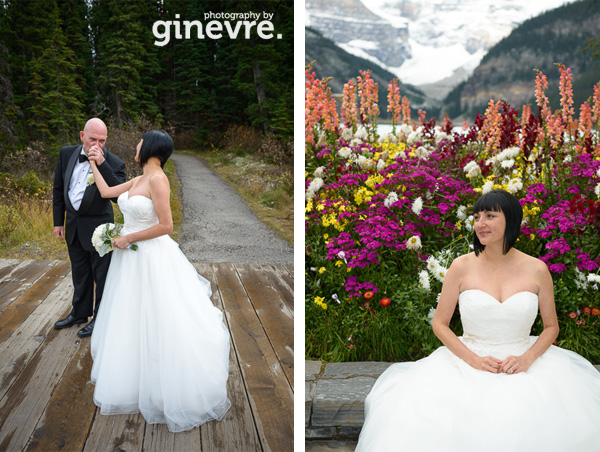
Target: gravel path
(217, 226)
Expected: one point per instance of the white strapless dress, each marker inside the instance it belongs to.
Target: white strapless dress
(441, 404)
(159, 344)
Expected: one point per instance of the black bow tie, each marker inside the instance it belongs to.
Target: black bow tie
(83, 158)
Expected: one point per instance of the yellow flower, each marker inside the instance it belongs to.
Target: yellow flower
(322, 270)
(338, 263)
(532, 236)
(325, 236)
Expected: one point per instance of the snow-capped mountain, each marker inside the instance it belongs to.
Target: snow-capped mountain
(432, 44)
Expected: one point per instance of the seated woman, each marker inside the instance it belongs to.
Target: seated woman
(496, 388)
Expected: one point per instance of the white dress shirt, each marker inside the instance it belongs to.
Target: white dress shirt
(78, 184)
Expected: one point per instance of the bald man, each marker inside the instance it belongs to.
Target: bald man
(77, 196)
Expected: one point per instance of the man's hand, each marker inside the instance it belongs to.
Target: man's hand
(95, 153)
(59, 232)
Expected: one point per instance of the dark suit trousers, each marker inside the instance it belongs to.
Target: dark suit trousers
(87, 267)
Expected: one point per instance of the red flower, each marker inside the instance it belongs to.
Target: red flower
(368, 295)
(351, 347)
(595, 312)
(385, 302)
(581, 322)
(587, 310)
(366, 304)
(572, 315)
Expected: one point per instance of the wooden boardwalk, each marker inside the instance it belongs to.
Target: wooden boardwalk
(45, 389)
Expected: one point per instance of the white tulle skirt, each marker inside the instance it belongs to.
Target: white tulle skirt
(441, 404)
(159, 344)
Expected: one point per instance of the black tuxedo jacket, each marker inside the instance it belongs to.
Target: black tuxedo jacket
(94, 210)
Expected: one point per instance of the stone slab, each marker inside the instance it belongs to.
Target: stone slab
(311, 370)
(319, 433)
(364, 368)
(330, 446)
(308, 396)
(340, 402)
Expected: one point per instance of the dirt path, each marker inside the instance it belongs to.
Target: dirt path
(217, 226)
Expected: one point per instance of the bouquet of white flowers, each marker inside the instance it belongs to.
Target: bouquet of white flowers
(103, 237)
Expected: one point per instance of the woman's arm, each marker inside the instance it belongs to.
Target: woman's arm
(103, 188)
(160, 193)
(517, 364)
(443, 315)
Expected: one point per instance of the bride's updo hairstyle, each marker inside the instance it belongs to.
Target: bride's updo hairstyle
(500, 201)
(157, 143)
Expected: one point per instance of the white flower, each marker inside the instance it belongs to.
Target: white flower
(580, 280)
(508, 163)
(597, 190)
(568, 158)
(392, 138)
(365, 163)
(392, 197)
(385, 155)
(342, 256)
(346, 133)
(90, 179)
(598, 172)
(319, 171)
(440, 136)
(508, 153)
(417, 206)
(472, 169)
(422, 152)
(430, 315)
(469, 223)
(487, 187)
(424, 280)
(440, 274)
(345, 152)
(432, 264)
(380, 165)
(414, 243)
(406, 129)
(336, 298)
(593, 278)
(361, 133)
(314, 187)
(514, 185)
(413, 137)
(461, 213)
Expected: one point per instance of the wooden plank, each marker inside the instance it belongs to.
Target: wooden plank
(25, 304)
(22, 280)
(17, 350)
(279, 278)
(119, 432)
(287, 273)
(13, 269)
(159, 439)
(23, 404)
(6, 266)
(65, 423)
(276, 318)
(270, 394)
(237, 430)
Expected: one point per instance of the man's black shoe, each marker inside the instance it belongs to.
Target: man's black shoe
(87, 330)
(69, 321)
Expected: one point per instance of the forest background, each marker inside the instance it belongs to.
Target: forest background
(64, 61)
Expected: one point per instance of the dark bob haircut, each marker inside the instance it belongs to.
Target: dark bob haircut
(500, 201)
(157, 143)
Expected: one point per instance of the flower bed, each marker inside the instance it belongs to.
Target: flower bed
(386, 215)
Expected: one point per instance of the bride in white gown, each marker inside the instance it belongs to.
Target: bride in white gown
(159, 344)
(496, 388)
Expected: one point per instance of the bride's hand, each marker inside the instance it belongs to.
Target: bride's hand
(121, 242)
(515, 364)
(487, 363)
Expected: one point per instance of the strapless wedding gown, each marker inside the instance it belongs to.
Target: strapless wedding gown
(441, 404)
(159, 344)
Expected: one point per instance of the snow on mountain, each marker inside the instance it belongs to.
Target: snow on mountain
(423, 42)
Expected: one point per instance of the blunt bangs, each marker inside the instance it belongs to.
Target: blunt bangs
(500, 201)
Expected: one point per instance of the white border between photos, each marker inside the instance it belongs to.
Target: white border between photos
(299, 225)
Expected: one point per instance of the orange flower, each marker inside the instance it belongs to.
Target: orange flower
(595, 312)
(368, 295)
(586, 310)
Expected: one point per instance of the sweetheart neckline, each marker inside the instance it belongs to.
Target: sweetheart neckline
(494, 298)
(142, 196)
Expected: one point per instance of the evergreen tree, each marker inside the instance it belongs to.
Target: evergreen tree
(124, 64)
(55, 96)
(8, 109)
